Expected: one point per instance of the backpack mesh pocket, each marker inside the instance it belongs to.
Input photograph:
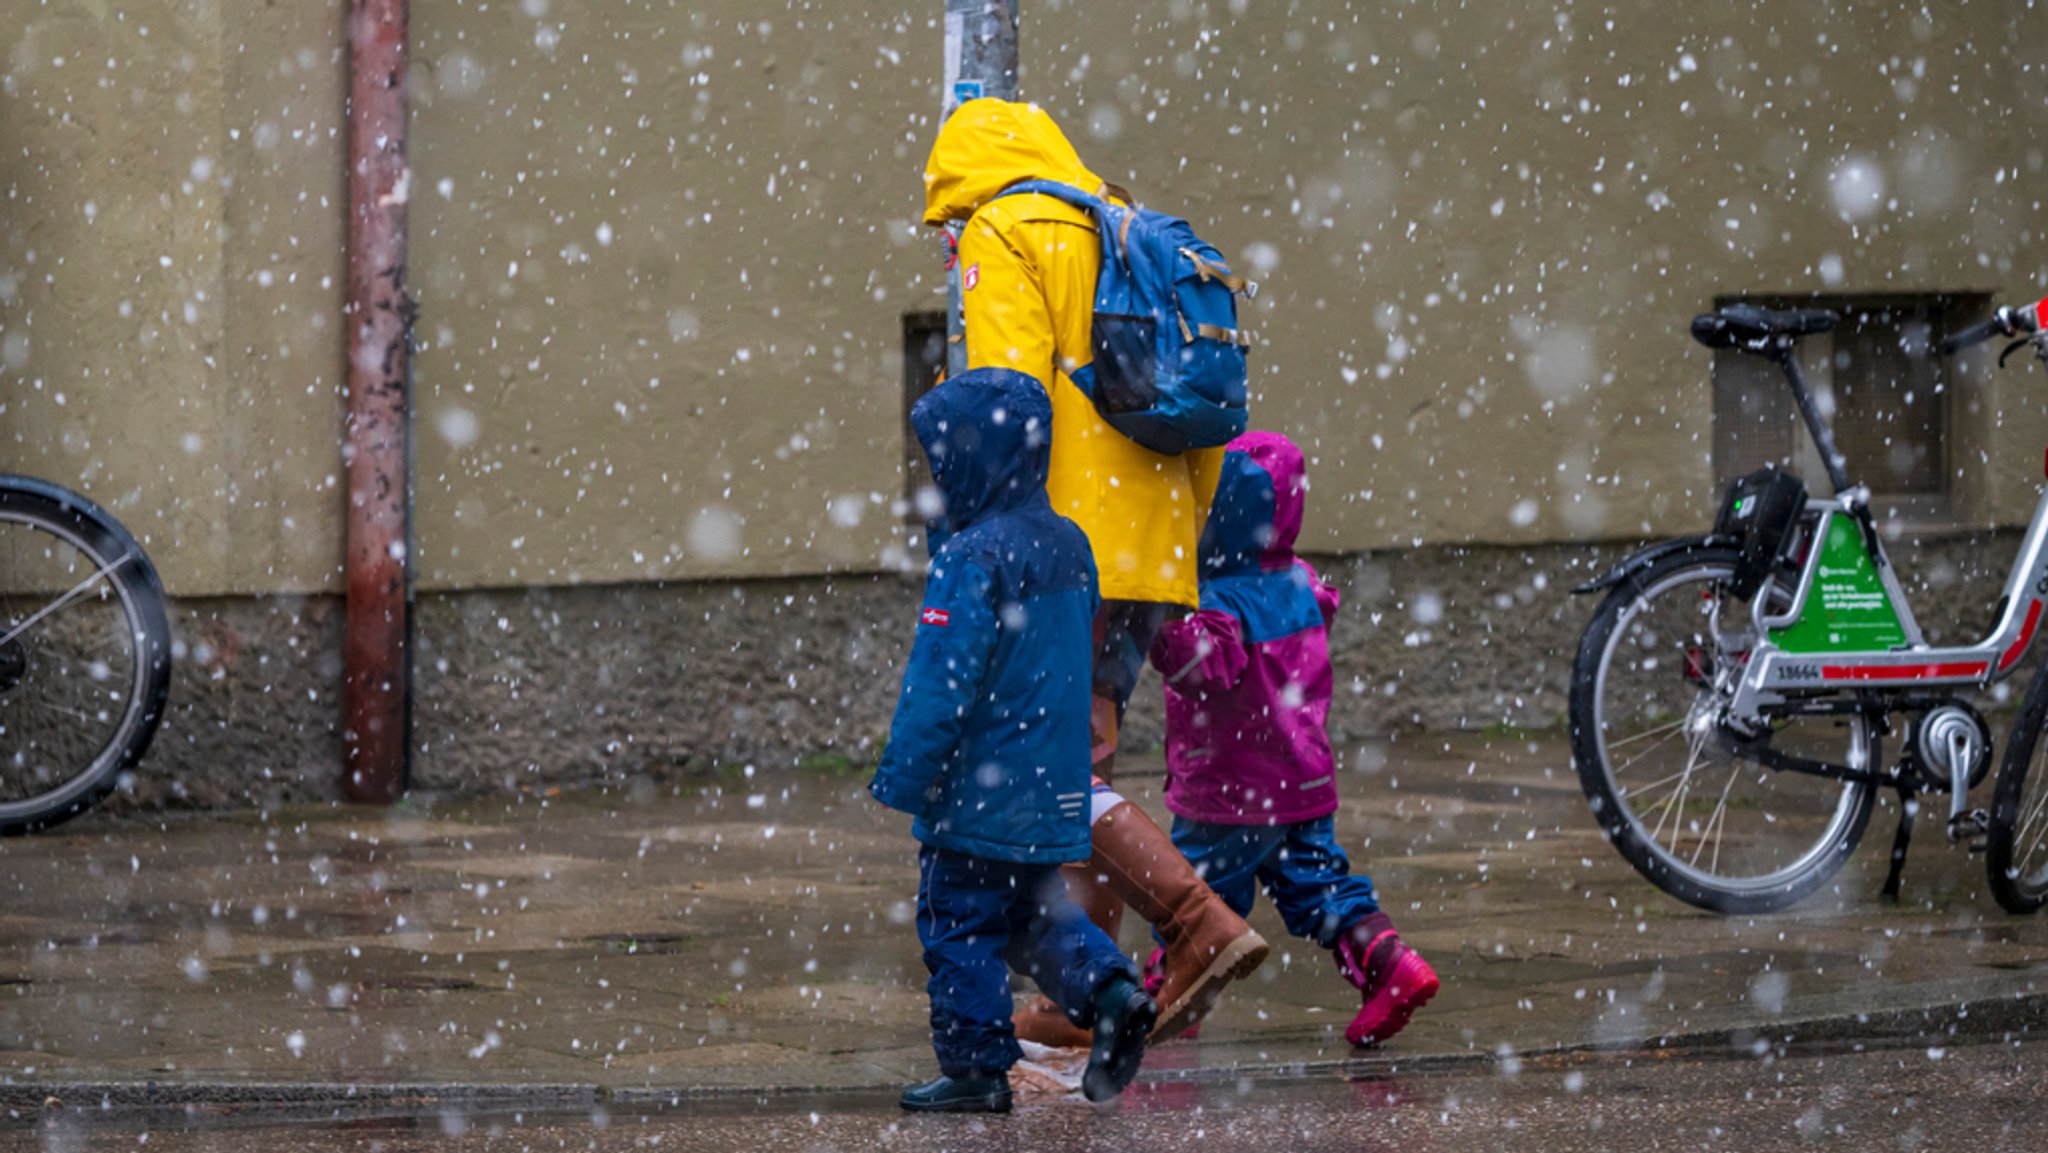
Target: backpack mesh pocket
(1124, 371)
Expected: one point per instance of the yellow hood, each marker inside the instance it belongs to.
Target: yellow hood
(988, 145)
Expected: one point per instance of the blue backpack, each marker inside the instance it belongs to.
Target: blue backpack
(1169, 367)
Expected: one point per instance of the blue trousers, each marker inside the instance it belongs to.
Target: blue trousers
(1123, 635)
(978, 919)
(1301, 867)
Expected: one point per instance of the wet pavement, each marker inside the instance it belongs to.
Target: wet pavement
(750, 934)
(1982, 1098)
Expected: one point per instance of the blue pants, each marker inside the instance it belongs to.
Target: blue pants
(1301, 866)
(1123, 635)
(979, 918)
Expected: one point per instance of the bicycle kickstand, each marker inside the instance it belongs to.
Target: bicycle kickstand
(1909, 807)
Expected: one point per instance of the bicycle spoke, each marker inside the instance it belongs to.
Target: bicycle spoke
(1718, 818)
(1645, 788)
(1677, 811)
(77, 591)
(2023, 834)
(1676, 801)
(1646, 752)
(1646, 734)
(2026, 824)
(2025, 837)
(60, 710)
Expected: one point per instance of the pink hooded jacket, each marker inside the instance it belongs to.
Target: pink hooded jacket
(1248, 675)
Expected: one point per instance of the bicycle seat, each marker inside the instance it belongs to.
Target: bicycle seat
(1748, 325)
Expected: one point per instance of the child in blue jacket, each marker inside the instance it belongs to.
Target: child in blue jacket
(989, 751)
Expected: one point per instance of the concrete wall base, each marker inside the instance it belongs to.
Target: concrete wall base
(549, 687)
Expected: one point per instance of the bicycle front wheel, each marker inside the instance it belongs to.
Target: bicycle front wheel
(1704, 824)
(85, 654)
(2016, 853)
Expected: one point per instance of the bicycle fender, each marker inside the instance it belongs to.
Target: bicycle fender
(1643, 558)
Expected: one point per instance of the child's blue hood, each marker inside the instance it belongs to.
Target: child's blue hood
(1256, 513)
(988, 435)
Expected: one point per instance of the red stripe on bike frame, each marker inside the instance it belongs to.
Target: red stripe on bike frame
(1900, 672)
(2012, 654)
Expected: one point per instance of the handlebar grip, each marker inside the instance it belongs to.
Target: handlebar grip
(2025, 319)
(1998, 325)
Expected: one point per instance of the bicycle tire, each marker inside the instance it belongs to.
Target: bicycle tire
(88, 528)
(2015, 817)
(1769, 892)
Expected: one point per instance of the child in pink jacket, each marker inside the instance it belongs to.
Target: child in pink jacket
(1249, 774)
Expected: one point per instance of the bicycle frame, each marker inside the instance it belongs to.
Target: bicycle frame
(1773, 675)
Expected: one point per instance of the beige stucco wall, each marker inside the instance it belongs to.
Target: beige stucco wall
(662, 252)
(1512, 210)
(169, 276)
(662, 286)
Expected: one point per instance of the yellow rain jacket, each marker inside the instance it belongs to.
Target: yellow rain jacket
(1028, 265)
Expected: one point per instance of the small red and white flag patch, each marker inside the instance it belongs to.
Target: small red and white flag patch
(939, 617)
(971, 277)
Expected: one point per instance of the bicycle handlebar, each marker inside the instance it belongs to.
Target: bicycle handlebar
(2007, 320)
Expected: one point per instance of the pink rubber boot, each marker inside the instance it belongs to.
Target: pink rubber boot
(1393, 979)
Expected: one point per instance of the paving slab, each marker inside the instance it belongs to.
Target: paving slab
(754, 934)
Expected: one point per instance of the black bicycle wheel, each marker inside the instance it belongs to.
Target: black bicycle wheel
(1707, 826)
(85, 654)
(2016, 853)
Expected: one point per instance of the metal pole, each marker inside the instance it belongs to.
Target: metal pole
(981, 60)
(376, 663)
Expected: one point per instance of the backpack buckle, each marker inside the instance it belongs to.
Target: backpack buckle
(1208, 271)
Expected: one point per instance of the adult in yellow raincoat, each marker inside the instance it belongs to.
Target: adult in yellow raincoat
(1028, 265)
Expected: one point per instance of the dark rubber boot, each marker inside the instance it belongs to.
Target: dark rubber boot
(1124, 1016)
(1040, 1021)
(960, 1095)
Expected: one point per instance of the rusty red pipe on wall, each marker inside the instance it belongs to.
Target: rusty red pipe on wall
(376, 456)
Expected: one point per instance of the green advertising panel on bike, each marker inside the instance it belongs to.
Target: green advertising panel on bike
(1848, 609)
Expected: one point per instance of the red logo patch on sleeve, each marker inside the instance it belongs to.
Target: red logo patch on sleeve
(939, 617)
(971, 277)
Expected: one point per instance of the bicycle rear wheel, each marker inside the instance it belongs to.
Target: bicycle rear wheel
(1702, 823)
(2016, 853)
(85, 654)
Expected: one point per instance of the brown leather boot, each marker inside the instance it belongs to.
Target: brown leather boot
(1041, 1021)
(1207, 946)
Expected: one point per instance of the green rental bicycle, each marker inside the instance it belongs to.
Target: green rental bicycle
(1731, 694)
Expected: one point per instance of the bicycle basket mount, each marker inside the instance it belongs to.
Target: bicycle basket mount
(1759, 510)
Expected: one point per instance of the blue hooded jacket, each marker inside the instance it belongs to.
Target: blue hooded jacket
(989, 749)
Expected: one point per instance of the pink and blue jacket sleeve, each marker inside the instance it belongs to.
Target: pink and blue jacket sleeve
(1202, 652)
(1327, 596)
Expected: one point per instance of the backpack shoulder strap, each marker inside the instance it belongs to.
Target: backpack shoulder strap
(1111, 220)
(1058, 191)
